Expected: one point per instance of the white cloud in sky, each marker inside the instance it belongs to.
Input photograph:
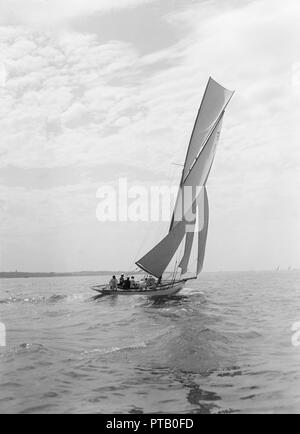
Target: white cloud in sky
(3, 74)
(52, 12)
(70, 101)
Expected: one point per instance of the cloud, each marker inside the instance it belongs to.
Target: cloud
(3, 74)
(53, 12)
(75, 115)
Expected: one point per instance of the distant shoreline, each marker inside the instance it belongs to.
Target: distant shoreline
(24, 275)
(20, 275)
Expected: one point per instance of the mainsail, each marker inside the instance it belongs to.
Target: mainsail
(192, 193)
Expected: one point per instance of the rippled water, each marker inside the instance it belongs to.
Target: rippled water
(223, 345)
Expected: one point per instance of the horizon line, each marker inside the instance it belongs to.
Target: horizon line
(118, 271)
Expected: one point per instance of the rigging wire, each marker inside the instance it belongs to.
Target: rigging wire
(171, 180)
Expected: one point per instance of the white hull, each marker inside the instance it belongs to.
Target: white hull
(164, 290)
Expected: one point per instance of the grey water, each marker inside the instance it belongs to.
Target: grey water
(225, 344)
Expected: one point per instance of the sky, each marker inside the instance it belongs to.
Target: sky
(95, 90)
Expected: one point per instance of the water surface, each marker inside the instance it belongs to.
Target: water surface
(224, 345)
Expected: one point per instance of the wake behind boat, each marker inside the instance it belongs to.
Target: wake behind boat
(191, 213)
(165, 289)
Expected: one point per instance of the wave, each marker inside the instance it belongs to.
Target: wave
(130, 347)
(115, 349)
(233, 371)
(22, 349)
(56, 298)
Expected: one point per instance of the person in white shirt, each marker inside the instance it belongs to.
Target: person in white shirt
(132, 283)
(113, 284)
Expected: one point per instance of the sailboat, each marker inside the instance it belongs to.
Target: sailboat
(191, 212)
